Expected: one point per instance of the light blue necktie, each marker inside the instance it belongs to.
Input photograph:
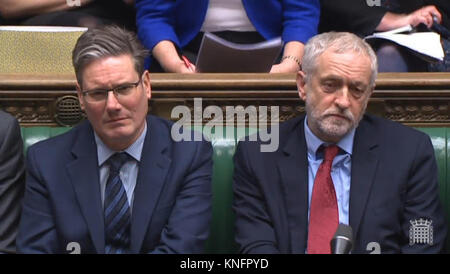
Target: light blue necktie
(116, 208)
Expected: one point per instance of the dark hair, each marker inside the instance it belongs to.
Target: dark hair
(107, 41)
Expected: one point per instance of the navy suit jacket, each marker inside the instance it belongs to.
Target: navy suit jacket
(393, 181)
(180, 21)
(12, 181)
(172, 200)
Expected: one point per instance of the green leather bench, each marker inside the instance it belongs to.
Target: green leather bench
(221, 238)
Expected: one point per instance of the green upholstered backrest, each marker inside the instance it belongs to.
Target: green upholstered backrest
(224, 142)
(31, 135)
(440, 137)
(221, 239)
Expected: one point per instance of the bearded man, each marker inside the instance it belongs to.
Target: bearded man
(337, 165)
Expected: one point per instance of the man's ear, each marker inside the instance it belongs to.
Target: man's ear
(301, 84)
(80, 96)
(146, 84)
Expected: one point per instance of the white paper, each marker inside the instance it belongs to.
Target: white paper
(426, 43)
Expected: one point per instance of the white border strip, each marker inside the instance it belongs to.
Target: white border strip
(41, 29)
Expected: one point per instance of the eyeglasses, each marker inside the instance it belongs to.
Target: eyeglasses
(120, 92)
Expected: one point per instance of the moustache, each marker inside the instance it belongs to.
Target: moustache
(344, 114)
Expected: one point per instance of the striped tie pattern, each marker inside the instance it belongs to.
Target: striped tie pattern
(116, 208)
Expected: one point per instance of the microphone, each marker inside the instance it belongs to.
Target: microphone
(342, 242)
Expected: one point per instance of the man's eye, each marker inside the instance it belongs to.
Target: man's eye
(124, 89)
(97, 93)
(329, 86)
(358, 92)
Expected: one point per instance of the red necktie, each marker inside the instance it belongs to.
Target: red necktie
(324, 215)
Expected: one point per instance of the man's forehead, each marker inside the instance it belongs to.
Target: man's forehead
(109, 70)
(111, 61)
(348, 56)
(351, 65)
(341, 78)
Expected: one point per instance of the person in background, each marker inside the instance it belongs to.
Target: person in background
(118, 182)
(358, 17)
(80, 13)
(171, 28)
(338, 165)
(12, 181)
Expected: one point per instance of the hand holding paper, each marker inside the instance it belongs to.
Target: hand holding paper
(425, 43)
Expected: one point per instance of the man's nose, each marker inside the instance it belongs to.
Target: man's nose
(111, 101)
(343, 98)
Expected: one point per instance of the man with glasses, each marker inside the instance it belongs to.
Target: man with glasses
(116, 183)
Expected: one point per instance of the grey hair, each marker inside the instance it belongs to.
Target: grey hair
(338, 42)
(107, 41)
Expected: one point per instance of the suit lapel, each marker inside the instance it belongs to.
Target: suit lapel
(153, 169)
(364, 166)
(293, 170)
(84, 174)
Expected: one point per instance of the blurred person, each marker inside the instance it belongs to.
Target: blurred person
(80, 13)
(359, 17)
(171, 28)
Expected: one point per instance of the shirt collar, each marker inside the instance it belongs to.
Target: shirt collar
(134, 150)
(313, 142)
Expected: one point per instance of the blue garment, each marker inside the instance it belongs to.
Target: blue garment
(340, 170)
(129, 171)
(180, 21)
(172, 199)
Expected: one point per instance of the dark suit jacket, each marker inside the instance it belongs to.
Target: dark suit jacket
(172, 199)
(358, 17)
(393, 181)
(12, 181)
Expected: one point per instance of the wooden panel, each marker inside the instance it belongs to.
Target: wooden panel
(418, 99)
